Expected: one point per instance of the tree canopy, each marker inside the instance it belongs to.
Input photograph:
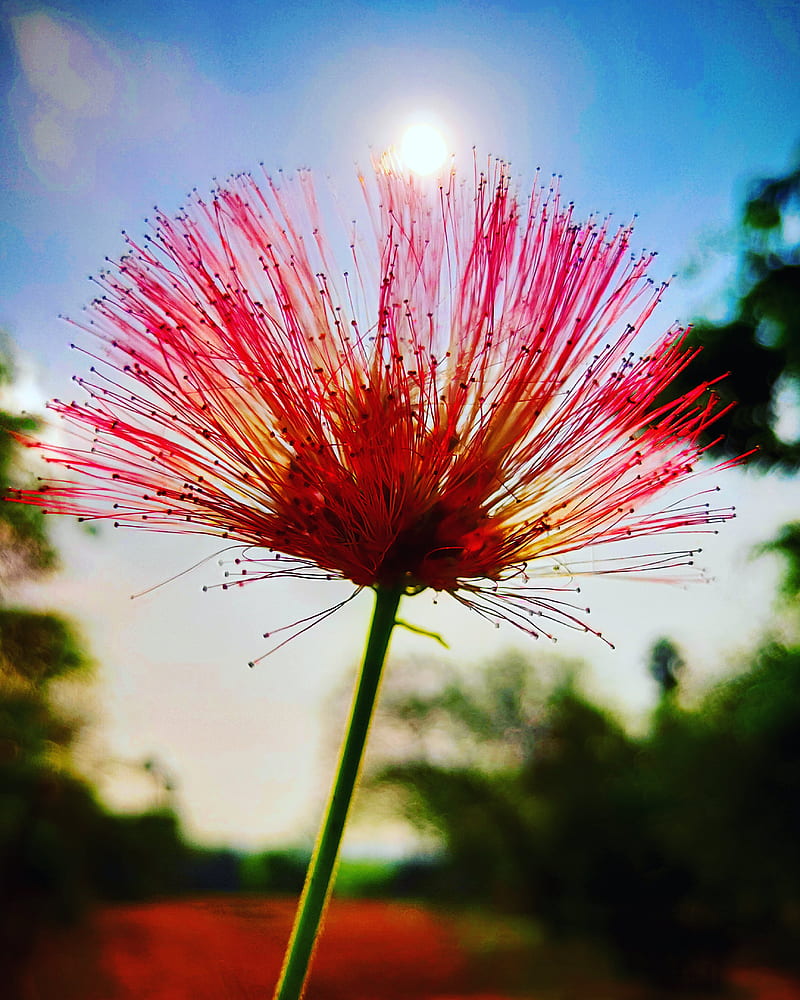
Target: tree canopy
(758, 346)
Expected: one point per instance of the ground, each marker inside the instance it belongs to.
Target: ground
(217, 948)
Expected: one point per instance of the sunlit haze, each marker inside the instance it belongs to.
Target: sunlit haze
(423, 148)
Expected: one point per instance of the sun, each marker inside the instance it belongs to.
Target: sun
(423, 149)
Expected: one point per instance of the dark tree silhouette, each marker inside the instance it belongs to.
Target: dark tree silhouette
(47, 814)
(666, 666)
(759, 345)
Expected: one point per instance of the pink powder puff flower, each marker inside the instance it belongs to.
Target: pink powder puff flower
(462, 411)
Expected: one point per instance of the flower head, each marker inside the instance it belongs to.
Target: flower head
(460, 409)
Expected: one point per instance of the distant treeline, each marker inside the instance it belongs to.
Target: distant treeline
(676, 849)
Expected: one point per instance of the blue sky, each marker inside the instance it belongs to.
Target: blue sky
(662, 110)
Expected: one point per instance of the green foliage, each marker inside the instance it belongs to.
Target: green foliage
(39, 647)
(48, 817)
(672, 848)
(759, 346)
(24, 546)
(749, 782)
(363, 878)
(274, 871)
(59, 849)
(770, 200)
(139, 856)
(47, 822)
(787, 544)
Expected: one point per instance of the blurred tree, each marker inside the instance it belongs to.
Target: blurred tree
(759, 346)
(46, 814)
(281, 871)
(59, 849)
(725, 789)
(544, 805)
(787, 544)
(666, 666)
(24, 546)
(673, 848)
(139, 856)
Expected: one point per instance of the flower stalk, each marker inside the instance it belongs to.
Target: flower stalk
(322, 868)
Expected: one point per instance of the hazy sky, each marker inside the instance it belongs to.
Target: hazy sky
(662, 110)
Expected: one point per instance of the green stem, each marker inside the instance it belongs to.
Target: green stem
(319, 878)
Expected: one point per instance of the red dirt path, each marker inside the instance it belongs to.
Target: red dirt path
(230, 948)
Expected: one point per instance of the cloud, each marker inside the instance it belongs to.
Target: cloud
(67, 77)
(92, 115)
(62, 65)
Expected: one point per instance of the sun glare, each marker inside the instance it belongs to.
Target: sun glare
(423, 149)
